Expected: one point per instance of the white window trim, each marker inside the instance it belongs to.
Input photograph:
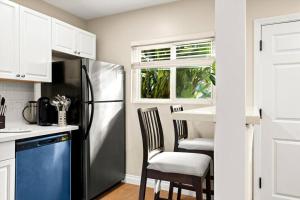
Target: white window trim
(169, 64)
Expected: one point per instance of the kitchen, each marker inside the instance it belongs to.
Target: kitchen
(104, 58)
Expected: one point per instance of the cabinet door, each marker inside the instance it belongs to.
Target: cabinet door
(63, 37)
(86, 44)
(9, 39)
(7, 179)
(35, 46)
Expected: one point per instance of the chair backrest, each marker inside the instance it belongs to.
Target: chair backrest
(152, 133)
(180, 126)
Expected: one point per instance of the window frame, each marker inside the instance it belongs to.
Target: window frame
(174, 64)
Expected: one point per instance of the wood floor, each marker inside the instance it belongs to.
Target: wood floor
(130, 192)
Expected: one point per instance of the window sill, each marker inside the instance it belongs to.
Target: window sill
(168, 101)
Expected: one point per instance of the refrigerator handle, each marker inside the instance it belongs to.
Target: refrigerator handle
(91, 102)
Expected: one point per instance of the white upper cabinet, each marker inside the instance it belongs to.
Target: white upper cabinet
(9, 39)
(86, 44)
(63, 37)
(72, 40)
(35, 46)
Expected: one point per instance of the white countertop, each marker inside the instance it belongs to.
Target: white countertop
(208, 114)
(35, 131)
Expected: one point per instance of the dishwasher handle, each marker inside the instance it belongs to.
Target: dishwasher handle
(41, 141)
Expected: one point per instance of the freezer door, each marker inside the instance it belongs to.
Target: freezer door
(107, 80)
(106, 147)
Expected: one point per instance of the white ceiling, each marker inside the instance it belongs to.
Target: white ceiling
(89, 9)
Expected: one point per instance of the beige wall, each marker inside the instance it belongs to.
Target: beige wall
(115, 34)
(114, 37)
(261, 9)
(52, 11)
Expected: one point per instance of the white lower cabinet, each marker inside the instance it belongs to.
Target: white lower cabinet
(7, 179)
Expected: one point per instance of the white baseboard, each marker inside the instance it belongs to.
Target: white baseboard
(135, 180)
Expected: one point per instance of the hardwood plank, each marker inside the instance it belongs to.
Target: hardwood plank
(130, 192)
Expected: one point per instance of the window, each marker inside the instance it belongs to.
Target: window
(174, 72)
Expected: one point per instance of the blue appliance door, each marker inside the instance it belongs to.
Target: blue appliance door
(43, 168)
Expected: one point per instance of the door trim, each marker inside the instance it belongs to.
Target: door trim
(258, 24)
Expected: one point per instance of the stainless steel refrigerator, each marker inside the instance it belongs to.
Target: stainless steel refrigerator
(98, 149)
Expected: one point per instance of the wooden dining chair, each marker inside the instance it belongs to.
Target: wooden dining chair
(183, 144)
(185, 168)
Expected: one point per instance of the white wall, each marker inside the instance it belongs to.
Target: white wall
(53, 11)
(16, 94)
(230, 162)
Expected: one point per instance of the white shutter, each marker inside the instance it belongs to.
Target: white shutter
(179, 54)
(198, 49)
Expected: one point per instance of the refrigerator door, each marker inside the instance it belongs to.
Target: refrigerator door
(107, 80)
(106, 147)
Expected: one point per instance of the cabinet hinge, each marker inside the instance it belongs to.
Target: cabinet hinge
(260, 45)
(259, 183)
(260, 113)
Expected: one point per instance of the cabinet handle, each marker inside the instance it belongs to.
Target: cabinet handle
(78, 52)
(23, 76)
(18, 75)
(75, 52)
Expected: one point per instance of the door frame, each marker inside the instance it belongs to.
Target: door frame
(258, 24)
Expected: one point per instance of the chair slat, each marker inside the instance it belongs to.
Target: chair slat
(151, 129)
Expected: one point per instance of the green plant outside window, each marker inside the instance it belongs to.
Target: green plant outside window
(155, 83)
(194, 83)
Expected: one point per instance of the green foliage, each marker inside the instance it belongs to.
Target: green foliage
(195, 83)
(155, 83)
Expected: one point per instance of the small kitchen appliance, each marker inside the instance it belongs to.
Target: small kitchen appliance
(44, 111)
(29, 112)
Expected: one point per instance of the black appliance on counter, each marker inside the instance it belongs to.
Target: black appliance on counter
(96, 90)
(44, 112)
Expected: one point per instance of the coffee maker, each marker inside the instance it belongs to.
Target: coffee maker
(45, 112)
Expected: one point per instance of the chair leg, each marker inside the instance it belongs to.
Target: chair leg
(143, 185)
(157, 187)
(198, 188)
(208, 186)
(179, 193)
(171, 188)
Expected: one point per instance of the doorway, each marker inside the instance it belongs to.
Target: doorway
(277, 80)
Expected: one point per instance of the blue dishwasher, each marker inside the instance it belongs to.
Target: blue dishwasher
(43, 168)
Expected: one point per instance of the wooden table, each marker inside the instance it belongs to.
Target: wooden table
(208, 114)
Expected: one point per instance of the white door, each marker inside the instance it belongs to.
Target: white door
(86, 44)
(35, 46)
(63, 37)
(7, 179)
(9, 39)
(280, 101)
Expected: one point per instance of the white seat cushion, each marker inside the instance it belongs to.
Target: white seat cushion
(205, 144)
(180, 163)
